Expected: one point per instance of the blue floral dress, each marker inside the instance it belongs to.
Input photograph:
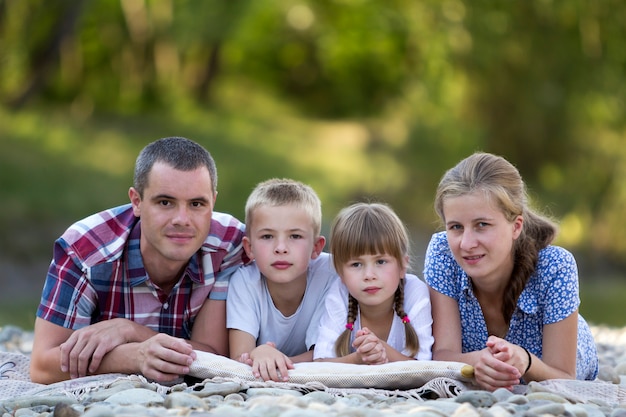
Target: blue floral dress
(551, 295)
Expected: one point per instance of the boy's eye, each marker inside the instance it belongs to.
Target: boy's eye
(164, 203)
(296, 236)
(266, 236)
(197, 204)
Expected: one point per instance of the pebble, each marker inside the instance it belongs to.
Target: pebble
(232, 399)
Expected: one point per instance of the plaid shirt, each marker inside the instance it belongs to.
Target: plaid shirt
(97, 274)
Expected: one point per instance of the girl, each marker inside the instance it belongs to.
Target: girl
(503, 299)
(377, 312)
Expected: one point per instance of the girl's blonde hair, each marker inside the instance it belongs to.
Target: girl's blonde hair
(503, 186)
(370, 229)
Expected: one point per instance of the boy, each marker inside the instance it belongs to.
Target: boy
(274, 304)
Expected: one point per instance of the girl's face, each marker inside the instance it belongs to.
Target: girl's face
(481, 238)
(373, 279)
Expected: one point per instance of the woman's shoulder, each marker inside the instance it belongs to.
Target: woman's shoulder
(438, 242)
(553, 256)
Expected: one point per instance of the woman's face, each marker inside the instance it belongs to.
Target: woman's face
(481, 238)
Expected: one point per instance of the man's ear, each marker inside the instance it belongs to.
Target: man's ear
(318, 246)
(135, 200)
(247, 246)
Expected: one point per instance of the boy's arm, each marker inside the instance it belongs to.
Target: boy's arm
(241, 343)
(209, 331)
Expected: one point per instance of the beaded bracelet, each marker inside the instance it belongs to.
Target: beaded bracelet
(530, 359)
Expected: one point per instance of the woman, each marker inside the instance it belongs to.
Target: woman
(503, 299)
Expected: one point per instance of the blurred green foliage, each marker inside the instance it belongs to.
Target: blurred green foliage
(360, 98)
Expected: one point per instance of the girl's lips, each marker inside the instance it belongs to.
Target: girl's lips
(371, 290)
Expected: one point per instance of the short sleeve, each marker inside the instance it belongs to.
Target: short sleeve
(332, 322)
(559, 277)
(242, 311)
(441, 272)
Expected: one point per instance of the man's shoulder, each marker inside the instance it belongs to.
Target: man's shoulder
(100, 235)
(226, 232)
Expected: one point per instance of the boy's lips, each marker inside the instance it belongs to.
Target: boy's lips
(281, 265)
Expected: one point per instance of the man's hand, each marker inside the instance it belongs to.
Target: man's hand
(82, 352)
(164, 358)
(369, 347)
(269, 363)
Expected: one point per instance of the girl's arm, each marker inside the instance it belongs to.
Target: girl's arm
(490, 372)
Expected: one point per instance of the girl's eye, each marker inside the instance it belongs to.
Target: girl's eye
(381, 261)
(354, 264)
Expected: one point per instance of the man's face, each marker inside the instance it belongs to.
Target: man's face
(175, 213)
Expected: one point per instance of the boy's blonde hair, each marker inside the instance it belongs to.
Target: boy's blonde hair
(280, 192)
(370, 229)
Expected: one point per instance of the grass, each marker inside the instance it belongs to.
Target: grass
(604, 302)
(55, 169)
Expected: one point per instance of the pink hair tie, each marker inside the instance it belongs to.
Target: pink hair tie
(405, 319)
(350, 326)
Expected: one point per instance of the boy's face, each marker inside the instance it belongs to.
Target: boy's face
(282, 241)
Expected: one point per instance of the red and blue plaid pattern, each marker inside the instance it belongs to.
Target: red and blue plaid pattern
(97, 273)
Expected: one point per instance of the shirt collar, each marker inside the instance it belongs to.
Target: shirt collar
(136, 271)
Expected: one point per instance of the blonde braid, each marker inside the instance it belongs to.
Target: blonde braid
(412, 342)
(342, 345)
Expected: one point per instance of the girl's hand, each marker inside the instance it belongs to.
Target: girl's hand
(369, 348)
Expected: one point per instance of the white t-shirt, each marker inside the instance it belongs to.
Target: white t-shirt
(416, 304)
(250, 307)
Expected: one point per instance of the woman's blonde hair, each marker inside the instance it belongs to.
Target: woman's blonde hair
(370, 229)
(503, 186)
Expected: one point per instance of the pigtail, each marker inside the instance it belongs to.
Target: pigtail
(342, 345)
(412, 342)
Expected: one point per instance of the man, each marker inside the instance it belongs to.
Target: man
(126, 285)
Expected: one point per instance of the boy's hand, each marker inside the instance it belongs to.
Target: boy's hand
(369, 347)
(269, 363)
